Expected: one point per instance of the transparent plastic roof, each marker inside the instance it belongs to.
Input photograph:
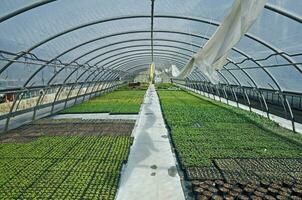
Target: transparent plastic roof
(38, 38)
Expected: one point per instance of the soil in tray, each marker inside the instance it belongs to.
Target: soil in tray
(218, 189)
(248, 179)
(75, 127)
(269, 169)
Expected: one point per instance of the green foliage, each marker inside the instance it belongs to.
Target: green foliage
(203, 130)
(165, 86)
(120, 101)
(63, 167)
(142, 86)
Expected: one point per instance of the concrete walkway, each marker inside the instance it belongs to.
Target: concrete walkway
(150, 172)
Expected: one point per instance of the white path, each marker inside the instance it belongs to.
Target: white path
(150, 172)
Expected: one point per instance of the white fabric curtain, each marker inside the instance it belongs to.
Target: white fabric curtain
(213, 55)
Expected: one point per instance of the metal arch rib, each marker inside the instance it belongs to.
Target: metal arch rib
(263, 68)
(206, 38)
(74, 60)
(125, 65)
(178, 61)
(25, 9)
(84, 73)
(224, 68)
(78, 68)
(88, 78)
(149, 50)
(147, 53)
(122, 66)
(94, 78)
(133, 46)
(142, 16)
(127, 47)
(30, 7)
(118, 66)
(195, 45)
(203, 37)
(283, 12)
(95, 70)
(142, 45)
(254, 38)
(136, 40)
(200, 76)
(68, 31)
(242, 53)
(219, 72)
(94, 40)
(118, 60)
(199, 46)
(179, 54)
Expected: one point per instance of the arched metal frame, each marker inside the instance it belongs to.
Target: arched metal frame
(119, 60)
(88, 77)
(143, 16)
(60, 89)
(203, 37)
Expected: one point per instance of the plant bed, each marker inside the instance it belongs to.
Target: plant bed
(67, 167)
(239, 142)
(126, 101)
(75, 127)
(166, 86)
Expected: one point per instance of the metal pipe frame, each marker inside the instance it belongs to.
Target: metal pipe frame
(30, 7)
(193, 20)
(203, 37)
(60, 90)
(129, 60)
(127, 17)
(233, 75)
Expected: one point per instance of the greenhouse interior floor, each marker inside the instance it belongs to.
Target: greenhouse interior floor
(158, 152)
(151, 171)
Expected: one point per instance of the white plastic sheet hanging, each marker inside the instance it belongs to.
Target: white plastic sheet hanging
(212, 56)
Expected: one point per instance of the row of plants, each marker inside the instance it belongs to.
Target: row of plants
(135, 86)
(203, 130)
(165, 86)
(63, 167)
(75, 147)
(124, 100)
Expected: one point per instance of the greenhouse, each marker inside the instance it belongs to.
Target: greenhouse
(151, 99)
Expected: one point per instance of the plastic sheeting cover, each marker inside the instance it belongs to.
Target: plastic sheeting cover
(213, 56)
